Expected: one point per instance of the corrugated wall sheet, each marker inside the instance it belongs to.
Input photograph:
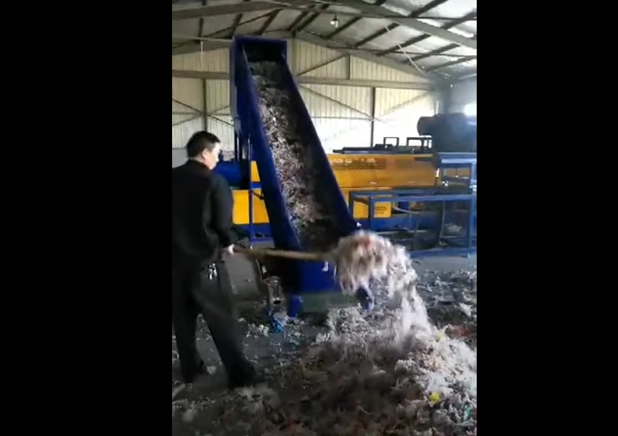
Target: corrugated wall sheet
(342, 115)
(187, 109)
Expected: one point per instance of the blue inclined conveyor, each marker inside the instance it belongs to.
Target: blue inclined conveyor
(298, 277)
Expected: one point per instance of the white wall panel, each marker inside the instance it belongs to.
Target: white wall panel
(463, 93)
(304, 56)
(222, 127)
(341, 114)
(187, 107)
(183, 131)
(188, 93)
(337, 69)
(390, 100)
(214, 61)
(364, 70)
(399, 112)
(338, 134)
(337, 101)
(218, 97)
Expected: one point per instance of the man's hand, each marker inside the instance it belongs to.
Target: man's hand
(230, 250)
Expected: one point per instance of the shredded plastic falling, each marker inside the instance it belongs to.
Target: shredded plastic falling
(367, 261)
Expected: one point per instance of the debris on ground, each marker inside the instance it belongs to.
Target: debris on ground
(388, 372)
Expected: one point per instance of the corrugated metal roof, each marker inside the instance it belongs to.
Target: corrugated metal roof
(437, 36)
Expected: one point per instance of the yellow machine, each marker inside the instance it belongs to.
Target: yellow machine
(354, 173)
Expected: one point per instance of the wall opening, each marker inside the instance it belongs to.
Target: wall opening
(470, 109)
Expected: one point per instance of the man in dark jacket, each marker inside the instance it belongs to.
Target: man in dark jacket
(202, 232)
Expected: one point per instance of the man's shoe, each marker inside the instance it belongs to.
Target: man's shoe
(246, 381)
(201, 370)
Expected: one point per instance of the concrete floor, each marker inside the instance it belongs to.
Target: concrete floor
(263, 349)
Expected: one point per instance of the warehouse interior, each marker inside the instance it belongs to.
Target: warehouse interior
(374, 54)
(382, 94)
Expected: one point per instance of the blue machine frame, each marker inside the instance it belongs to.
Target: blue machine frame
(456, 161)
(252, 144)
(442, 193)
(301, 276)
(456, 245)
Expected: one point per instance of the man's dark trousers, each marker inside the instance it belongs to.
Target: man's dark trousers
(198, 290)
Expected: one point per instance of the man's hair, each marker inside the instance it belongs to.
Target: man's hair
(199, 142)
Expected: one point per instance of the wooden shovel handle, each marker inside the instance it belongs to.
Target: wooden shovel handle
(295, 255)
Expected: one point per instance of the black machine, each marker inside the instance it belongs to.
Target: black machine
(450, 133)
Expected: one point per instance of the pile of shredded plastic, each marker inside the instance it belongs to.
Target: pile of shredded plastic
(294, 159)
(451, 299)
(390, 372)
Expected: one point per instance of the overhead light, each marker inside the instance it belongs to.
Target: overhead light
(335, 22)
